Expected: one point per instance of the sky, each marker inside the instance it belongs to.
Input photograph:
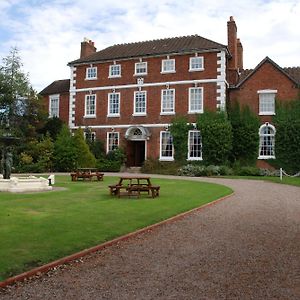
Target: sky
(48, 33)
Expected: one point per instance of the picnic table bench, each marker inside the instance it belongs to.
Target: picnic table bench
(86, 174)
(134, 186)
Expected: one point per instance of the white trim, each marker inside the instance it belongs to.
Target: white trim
(165, 158)
(194, 158)
(259, 134)
(162, 65)
(135, 68)
(199, 111)
(134, 104)
(267, 91)
(161, 103)
(87, 72)
(107, 139)
(87, 116)
(109, 114)
(114, 76)
(163, 125)
(196, 69)
(54, 97)
(130, 86)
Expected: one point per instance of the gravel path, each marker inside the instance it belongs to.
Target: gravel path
(245, 247)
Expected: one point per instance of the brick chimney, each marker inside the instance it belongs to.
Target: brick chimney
(240, 64)
(235, 47)
(87, 48)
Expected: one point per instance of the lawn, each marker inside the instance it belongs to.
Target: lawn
(41, 227)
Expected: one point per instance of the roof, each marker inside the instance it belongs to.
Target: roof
(57, 87)
(293, 73)
(176, 45)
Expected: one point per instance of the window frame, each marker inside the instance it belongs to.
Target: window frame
(109, 146)
(110, 75)
(262, 103)
(161, 156)
(163, 71)
(195, 111)
(86, 114)
(92, 134)
(136, 68)
(88, 73)
(270, 142)
(51, 98)
(193, 69)
(109, 113)
(135, 113)
(189, 146)
(163, 101)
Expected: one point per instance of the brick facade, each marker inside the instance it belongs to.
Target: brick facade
(222, 79)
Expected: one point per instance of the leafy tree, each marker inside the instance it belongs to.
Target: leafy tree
(179, 129)
(52, 126)
(14, 85)
(245, 125)
(287, 146)
(85, 158)
(216, 132)
(65, 152)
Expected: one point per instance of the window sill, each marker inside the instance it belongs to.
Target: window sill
(267, 114)
(139, 115)
(196, 70)
(91, 78)
(113, 116)
(167, 72)
(166, 158)
(116, 76)
(266, 157)
(195, 159)
(195, 112)
(167, 113)
(140, 74)
(90, 116)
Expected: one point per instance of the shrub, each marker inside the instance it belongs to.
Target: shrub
(216, 135)
(112, 162)
(248, 171)
(153, 166)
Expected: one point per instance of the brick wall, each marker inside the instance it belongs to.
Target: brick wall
(266, 77)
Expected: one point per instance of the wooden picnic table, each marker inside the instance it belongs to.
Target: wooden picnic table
(86, 173)
(134, 186)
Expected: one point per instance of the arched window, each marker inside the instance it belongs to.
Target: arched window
(267, 141)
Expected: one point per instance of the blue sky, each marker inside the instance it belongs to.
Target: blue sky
(48, 33)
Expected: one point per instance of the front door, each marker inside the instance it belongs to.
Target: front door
(135, 153)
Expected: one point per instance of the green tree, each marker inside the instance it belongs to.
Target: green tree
(216, 135)
(287, 138)
(16, 86)
(85, 157)
(52, 126)
(65, 152)
(179, 130)
(245, 125)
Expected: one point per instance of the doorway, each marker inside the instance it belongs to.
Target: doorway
(135, 153)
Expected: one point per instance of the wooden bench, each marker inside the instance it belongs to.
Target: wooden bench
(85, 174)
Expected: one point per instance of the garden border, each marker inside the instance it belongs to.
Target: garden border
(68, 259)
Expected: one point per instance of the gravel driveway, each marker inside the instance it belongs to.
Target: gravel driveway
(245, 247)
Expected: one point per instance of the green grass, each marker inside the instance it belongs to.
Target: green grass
(41, 227)
(285, 180)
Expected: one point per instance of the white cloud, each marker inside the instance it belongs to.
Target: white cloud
(48, 33)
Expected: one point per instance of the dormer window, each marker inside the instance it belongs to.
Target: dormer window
(91, 73)
(168, 66)
(114, 71)
(141, 68)
(196, 63)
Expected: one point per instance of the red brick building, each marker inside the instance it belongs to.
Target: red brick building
(128, 94)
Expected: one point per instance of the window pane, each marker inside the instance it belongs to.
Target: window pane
(91, 72)
(115, 70)
(166, 145)
(267, 142)
(90, 104)
(267, 103)
(196, 63)
(168, 100)
(113, 141)
(168, 65)
(196, 101)
(140, 102)
(141, 68)
(195, 145)
(114, 103)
